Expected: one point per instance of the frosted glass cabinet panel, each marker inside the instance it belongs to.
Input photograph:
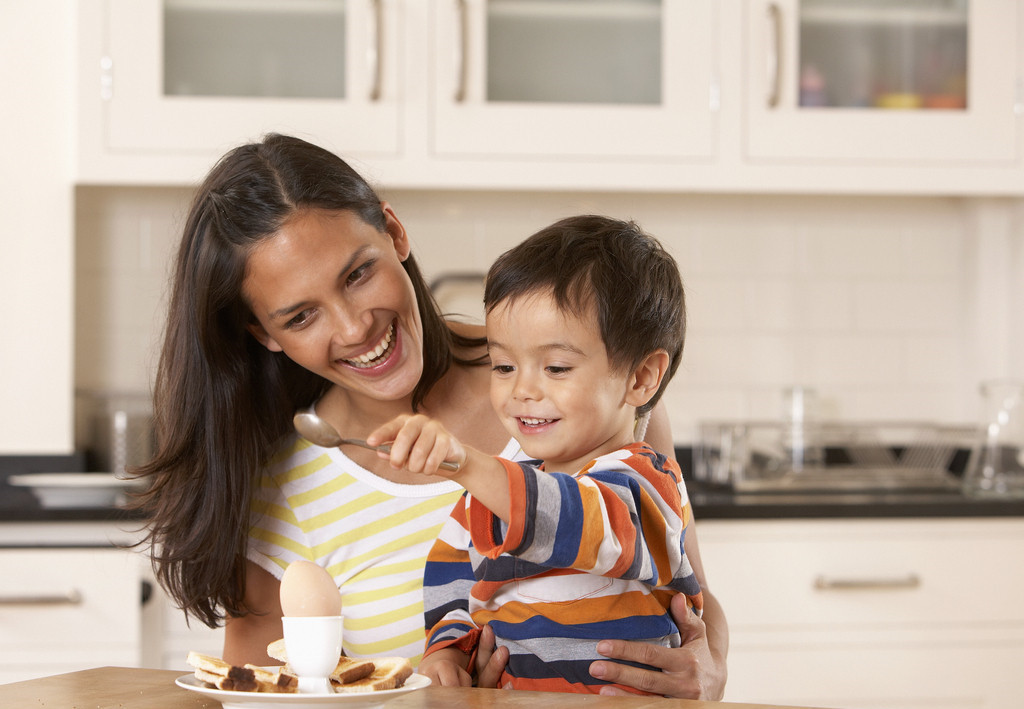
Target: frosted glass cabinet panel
(929, 80)
(899, 54)
(254, 48)
(574, 77)
(574, 51)
(200, 76)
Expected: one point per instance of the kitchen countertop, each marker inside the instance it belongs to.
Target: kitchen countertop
(120, 687)
(716, 502)
(709, 502)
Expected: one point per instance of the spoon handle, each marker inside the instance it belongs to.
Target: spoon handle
(386, 448)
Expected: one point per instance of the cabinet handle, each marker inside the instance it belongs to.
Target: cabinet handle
(71, 598)
(775, 56)
(377, 52)
(824, 583)
(463, 49)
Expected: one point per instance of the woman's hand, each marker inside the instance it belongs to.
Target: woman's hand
(490, 660)
(446, 668)
(688, 672)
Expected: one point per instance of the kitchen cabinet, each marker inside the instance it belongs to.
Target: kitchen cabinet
(868, 613)
(562, 78)
(565, 94)
(927, 81)
(182, 81)
(64, 609)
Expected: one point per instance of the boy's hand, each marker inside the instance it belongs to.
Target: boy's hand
(419, 444)
(446, 668)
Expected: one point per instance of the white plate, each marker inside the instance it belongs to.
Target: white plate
(269, 700)
(74, 489)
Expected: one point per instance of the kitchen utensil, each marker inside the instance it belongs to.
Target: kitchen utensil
(315, 430)
(75, 490)
(996, 466)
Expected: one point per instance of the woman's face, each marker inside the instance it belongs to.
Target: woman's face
(330, 292)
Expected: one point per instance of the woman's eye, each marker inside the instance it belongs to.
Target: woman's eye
(300, 320)
(359, 273)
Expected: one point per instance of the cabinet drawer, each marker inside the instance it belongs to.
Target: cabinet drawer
(864, 572)
(61, 602)
(864, 671)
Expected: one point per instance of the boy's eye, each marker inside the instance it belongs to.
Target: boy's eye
(503, 368)
(556, 369)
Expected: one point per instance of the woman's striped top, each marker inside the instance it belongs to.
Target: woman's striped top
(372, 535)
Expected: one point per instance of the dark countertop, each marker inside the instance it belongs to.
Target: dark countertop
(710, 502)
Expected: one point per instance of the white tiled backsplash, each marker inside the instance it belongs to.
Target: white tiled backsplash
(892, 308)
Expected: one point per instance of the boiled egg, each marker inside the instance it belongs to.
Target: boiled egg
(307, 590)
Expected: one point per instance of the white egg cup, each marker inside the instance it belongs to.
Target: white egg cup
(314, 648)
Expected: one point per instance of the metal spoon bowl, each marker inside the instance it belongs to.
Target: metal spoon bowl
(315, 430)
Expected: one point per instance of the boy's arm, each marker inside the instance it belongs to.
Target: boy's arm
(420, 444)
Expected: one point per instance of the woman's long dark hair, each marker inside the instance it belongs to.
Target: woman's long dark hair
(222, 401)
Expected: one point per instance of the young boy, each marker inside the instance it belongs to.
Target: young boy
(585, 327)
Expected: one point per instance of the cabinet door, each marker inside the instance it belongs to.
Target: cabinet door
(204, 75)
(862, 80)
(587, 78)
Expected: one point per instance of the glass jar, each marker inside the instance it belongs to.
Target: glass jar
(996, 466)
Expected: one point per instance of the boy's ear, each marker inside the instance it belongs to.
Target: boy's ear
(646, 378)
(261, 335)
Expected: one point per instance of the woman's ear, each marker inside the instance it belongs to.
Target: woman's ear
(396, 231)
(646, 378)
(264, 338)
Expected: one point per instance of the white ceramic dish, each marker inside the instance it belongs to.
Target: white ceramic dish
(66, 490)
(268, 700)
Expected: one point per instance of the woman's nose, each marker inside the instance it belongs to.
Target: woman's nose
(351, 327)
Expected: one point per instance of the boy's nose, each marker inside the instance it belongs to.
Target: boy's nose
(526, 388)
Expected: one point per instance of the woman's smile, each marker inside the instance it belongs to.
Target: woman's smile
(376, 356)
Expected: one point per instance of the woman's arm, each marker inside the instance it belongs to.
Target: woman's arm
(246, 638)
(697, 669)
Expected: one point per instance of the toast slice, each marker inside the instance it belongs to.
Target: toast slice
(216, 666)
(388, 673)
(278, 682)
(228, 684)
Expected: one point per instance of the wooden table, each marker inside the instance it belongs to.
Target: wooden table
(129, 688)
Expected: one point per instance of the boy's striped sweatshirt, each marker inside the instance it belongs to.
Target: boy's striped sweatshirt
(590, 556)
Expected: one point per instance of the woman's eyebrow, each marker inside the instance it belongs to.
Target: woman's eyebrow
(356, 255)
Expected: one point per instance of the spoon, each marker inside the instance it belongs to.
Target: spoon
(315, 430)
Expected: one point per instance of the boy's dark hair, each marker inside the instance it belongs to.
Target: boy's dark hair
(632, 282)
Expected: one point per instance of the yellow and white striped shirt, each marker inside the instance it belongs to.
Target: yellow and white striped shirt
(372, 535)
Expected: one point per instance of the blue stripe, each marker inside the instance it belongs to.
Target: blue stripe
(569, 531)
(631, 628)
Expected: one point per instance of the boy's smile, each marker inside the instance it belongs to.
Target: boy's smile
(553, 385)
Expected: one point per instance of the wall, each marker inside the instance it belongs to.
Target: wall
(892, 308)
(36, 273)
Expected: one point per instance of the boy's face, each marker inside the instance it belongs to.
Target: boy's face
(552, 384)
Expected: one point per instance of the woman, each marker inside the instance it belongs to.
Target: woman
(294, 285)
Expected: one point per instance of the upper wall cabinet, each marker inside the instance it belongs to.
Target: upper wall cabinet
(593, 78)
(901, 80)
(179, 78)
(891, 96)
